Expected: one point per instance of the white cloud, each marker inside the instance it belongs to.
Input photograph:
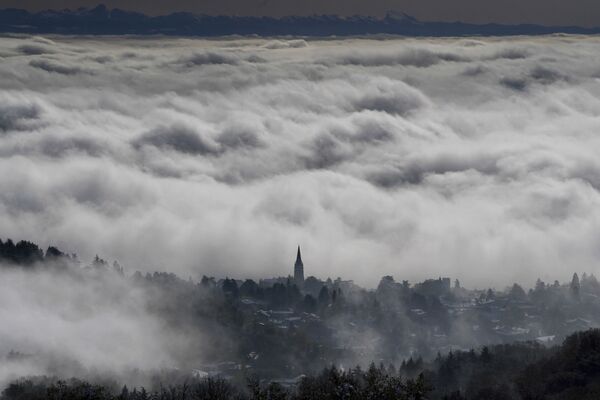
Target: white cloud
(475, 159)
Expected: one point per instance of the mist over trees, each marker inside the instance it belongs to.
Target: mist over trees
(522, 371)
(434, 338)
(24, 253)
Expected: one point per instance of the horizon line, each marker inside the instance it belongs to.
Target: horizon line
(389, 15)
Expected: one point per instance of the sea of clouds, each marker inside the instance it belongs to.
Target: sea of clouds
(471, 158)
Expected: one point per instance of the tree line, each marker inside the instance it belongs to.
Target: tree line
(519, 371)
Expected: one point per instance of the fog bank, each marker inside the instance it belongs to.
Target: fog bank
(475, 159)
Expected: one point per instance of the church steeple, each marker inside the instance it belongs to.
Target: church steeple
(299, 269)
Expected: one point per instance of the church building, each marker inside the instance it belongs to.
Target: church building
(299, 269)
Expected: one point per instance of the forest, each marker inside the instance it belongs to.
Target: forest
(524, 371)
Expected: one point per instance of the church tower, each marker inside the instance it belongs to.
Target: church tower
(299, 269)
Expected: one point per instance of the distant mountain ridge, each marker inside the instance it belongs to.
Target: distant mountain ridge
(103, 21)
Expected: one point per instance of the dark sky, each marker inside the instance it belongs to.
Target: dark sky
(547, 12)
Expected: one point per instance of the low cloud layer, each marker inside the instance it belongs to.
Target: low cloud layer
(474, 159)
(85, 325)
